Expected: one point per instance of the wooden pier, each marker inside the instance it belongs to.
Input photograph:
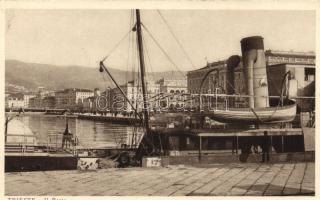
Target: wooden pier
(210, 180)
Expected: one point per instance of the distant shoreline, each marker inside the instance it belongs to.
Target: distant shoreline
(33, 113)
(39, 113)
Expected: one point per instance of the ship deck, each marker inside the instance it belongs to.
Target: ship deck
(234, 132)
(244, 133)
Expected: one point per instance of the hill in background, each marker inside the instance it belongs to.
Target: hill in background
(33, 75)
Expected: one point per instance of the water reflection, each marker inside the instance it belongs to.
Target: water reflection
(92, 134)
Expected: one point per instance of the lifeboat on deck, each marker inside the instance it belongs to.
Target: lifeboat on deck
(277, 114)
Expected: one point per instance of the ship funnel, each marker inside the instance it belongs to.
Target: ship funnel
(255, 72)
(232, 63)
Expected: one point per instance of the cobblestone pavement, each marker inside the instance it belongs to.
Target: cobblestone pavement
(226, 179)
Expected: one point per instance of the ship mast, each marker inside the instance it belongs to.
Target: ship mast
(142, 69)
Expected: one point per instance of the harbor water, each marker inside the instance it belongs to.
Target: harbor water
(90, 134)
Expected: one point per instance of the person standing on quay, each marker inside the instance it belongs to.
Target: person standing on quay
(265, 147)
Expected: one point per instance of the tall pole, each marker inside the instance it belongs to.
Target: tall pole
(6, 129)
(142, 69)
(8, 119)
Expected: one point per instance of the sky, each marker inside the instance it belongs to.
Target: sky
(84, 37)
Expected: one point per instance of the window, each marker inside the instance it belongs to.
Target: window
(309, 74)
(188, 141)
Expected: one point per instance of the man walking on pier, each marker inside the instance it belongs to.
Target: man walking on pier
(265, 147)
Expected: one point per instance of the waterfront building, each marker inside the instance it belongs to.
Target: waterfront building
(90, 104)
(221, 77)
(217, 80)
(133, 91)
(26, 99)
(301, 83)
(42, 92)
(289, 57)
(302, 64)
(195, 77)
(174, 89)
(48, 102)
(302, 74)
(14, 101)
(72, 98)
(35, 102)
(178, 85)
(41, 99)
(163, 94)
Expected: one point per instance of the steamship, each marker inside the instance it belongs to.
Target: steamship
(202, 135)
(255, 73)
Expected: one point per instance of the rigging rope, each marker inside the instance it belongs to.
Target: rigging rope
(151, 68)
(163, 51)
(129, 46)
(134, 55)
(105, 80)
(134, 60)
(116, 46)
(176, 38)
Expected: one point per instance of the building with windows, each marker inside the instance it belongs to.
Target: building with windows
(41, 99)
(35, 102)
(173, 85)
(301, 83)
(72, 98)
(290, 57)
(216, 70)
(43, 92)
(163, 94)
(173, 90)
(14, 101)
(216, 78)
(97, 102)
(302, 74)
(221, 77)
(18, 100)
(26, 99)
(48, 102)
(133, 91)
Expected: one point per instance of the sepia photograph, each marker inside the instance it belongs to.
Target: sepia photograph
(159, 102)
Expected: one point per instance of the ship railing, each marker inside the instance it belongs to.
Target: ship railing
(222, 101)
(20, 143)
(26, 145)
(20, 148)
(55, 143)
